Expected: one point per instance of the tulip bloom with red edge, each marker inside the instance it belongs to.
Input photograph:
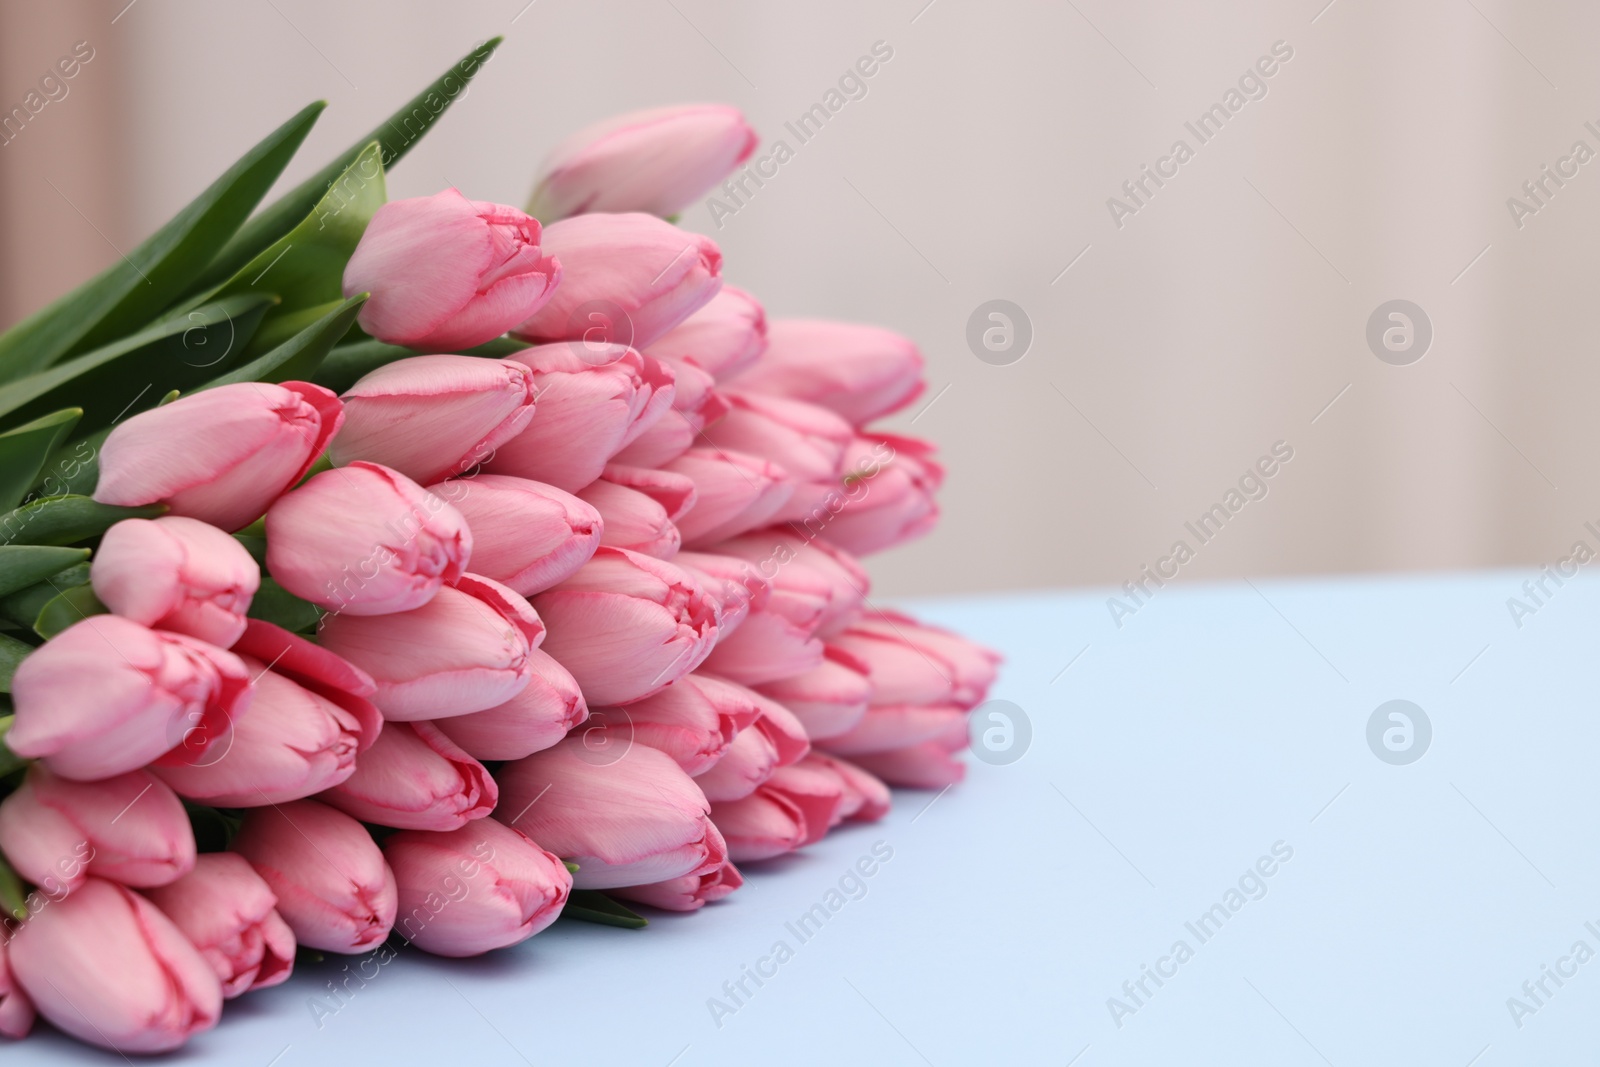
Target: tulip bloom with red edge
(926, 765)
(887, 496)
(793, 808)
(627, 625)
(130, 829)
(801, 569)
(227, 911)
(106, 696)
(525, 534)
(859, 372)
(642, 275)
(415, 778)
(689, 893)
(912, 663)
(447, 273)
(734, 493)
(534, 719)
(16, 1010)
(747, 762)
(432, 416)
(659, 160)
(176, 574)
(830, 699)
(693, 720)
(807, 441)
(333, 887)
(480, 887)
(632, 520)
(631, 820)
(696, 404)
(593, 400)
(365, 540)
(724, 337)
(866, 797)
(732, 582)
(463, 651)
(109, 968)
(220, 455)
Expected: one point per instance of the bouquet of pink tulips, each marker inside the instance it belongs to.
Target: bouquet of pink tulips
(430, 570)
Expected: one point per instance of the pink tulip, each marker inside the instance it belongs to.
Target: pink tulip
(734, 493)
(695, 405)
(632, 519)
(108, 968)
(480, 887)
(732, 582)
(693, 720)
(801, 569)
(333, 887)
(629, 821)
(525, 534)
(628, 625)
(689, 893)
(659, 160)
(448, 273)
(432, 416)
(106, 696)
(130, 829)
(807, 441)
(912, 663)
(463, 651)
(887, 498)
(926, 765)
(778, 641)
(724, 337)
(593, 400)
(629, 279)
(227, 911)
(16, 1010)
(859, 372)
(891, 726)
(674, 492)
(415, 778)
(220, 455)
(747, 762)
(176, 574)
(365, 540)
(534, 719)
(829, 699)
(866, 798)
(793, 808)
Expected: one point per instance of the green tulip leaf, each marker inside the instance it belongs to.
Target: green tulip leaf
(25, 565)
(275, 604)
(22, 608)
(298, 358)
(11, 653)
(23, 452)
(141, 284)
(395, 136)
(347, 364)
(67, 608)
(591, 906)
(65, 520)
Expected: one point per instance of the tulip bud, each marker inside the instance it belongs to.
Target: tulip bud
(525, 534)
(747, 762)
(365, 540)
(807, 441)
(731, 582)
(333, 887)
(176, 574)
(800, 570)
(227, 911)
(659, 160)
(534, 719)
(793, 808)
(448, 273)
(829, 699)
(912, 663)
(859, 372)
(734, 493)
(630, 821)
(724, 337)
(415, 778)
(866, 798)
(130, 829)
(432, 416)
(886, 498)
(108, 968)
(593, 400)
(463, 651)
(480, 887)
(632, 520)
(627, 625)
(16, 1010)
(693, 720)
(106, 696)
(689, 893)
(641, 275)
(925, 765)
(220, 455)
(695, 405)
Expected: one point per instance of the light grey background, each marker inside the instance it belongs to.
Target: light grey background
(1223, 317)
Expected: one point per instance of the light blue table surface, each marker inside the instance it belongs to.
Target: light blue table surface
(1173, 753)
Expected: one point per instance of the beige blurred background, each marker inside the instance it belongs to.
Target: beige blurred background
(1168, 354)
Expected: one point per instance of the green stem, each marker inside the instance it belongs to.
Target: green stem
(13, 898)
(9, 760)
